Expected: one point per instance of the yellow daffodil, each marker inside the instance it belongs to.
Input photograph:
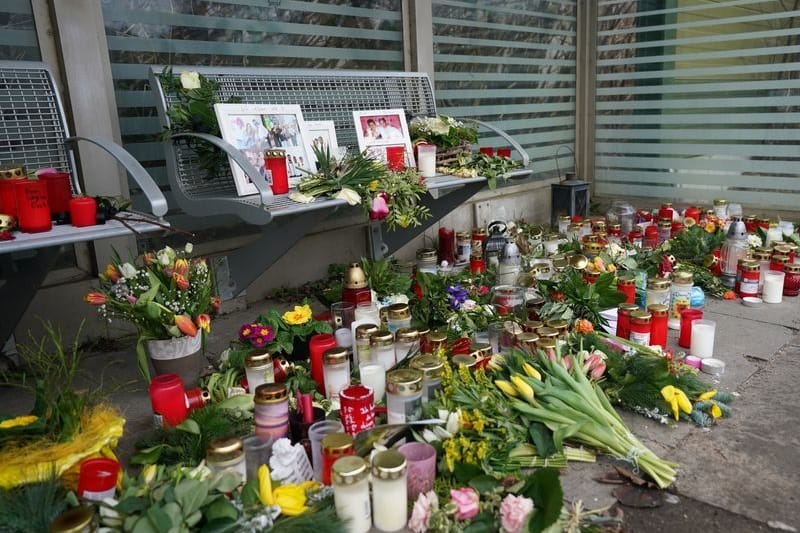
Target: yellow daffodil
(525, 391)
(531, 372)
(677, 400)
(292, 498)
(716, 412)
(506, 387)
(300, 315)
(707, 395)
(19, 421)
(265, 486)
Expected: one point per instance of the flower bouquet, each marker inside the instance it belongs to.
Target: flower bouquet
(165, 294)
(280, 332)
(451, 137)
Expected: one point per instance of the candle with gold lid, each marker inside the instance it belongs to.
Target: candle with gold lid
(76, 520)
(389, 491)
(350, 476)
(431, 368)
(227, 454)
(403, 395)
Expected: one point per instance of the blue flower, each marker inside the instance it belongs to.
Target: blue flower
(458, 295)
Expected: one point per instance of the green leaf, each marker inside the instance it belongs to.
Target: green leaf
(544, 488)
(194, 518)
(148, 456)
(464, 472)
(190, 426)
(220, 525)
(226, 481)
(483, 484)
(173, 510)
(565, 432)
(131, 505)
(143, 525)
(250, 498)
(542, 439)
(190, 494)
(159, 519)
(482, 523)
(221, 508)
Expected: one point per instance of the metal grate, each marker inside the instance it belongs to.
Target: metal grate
(32, 129)
(321, 94)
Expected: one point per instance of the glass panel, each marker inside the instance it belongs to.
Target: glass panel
(18, 40)
(511, 64)
(699, 99)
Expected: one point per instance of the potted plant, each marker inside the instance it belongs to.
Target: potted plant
(168, 297)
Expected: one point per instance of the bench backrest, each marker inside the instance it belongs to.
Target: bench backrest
(32, 122)
(321, 94)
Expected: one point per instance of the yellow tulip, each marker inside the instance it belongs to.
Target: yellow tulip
(677, 400)
(506, 387)
(265, 486)
(716, 412)
(531, 372)
(292, 498)
(524, 390)
(707, 395)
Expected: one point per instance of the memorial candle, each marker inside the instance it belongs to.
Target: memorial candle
(32, 206)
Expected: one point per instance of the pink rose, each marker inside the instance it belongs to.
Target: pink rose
(466, 502)
(423, 509)
(514, 512)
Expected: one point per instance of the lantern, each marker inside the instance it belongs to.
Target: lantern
(733, 249)
(569, 197)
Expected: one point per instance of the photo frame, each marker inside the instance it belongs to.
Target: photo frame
(379, 129)
(323, 133)
(254, 128)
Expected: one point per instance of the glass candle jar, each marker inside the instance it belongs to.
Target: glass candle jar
(762, 257)
(778, 262)
(336, 370)
(227, 454)
(650, 239)
(381, 348)
(592, 250)
(574, 232)
(546, 344)
(403, 396)
(750, 276)
(635, 238)
(435, 341)
(272, 411)
(666, 212)
(399, 317)
(527, 341)
(721, 208)
(463, 247)
(533, 306)
(351, 493)
(546, 332)
(551, 242)
(531, 325)
(506, 298)
(431, 368)
(561, 326)
(640, 327)
(258, 369)
(389, 491)
(334, 446)
(563, 223)
(361, 344)
(480, 350)
(680, 297)
(317, 346)
(664, 230)
(624, 319)
(406, 341)
(791, 280)
(658, 291)
(75, 520)
(658, 324)
(626, 284)
(426, 260)
(774, 233)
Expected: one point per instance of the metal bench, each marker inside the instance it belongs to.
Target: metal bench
(322, 95)
(34, 134)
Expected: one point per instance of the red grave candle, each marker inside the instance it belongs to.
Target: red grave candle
(275, 161)
(316, 347)
(488, 150)
(685, 335)
(624, 320)
(83, 211)
(59, 191)
(504, 152)
(627, 286)
(168, 399)
(357, 410)
(693, 213)
(396, 157)
(8, 197)
(447, 245)
(33, 209)
(658, 324)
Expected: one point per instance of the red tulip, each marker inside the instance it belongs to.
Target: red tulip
(149, 258)
(204, 322)
(95, 298)
(185, 325)
(180, 281)
(181, 266)
(215, 304)
(112, 273)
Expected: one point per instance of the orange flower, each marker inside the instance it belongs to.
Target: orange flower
(149, 258)
(583, 326)
(112, 273)
(204, 322)
(185, 325)
(729, 295)
(95, 298)
(180, 281)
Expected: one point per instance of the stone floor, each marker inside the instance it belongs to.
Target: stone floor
(742, 475)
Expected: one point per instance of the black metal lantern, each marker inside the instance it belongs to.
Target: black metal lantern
(569, 197)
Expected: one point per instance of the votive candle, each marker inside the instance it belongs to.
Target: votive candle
(702, 342)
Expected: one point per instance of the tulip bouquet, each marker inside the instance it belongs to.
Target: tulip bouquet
(164, 294)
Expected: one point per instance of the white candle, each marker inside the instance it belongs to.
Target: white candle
(389, 491)
(427, 160)
(702, 344)
(773, 287)
(368, 312)
(344, 338)
(373, 375)
(351, 493)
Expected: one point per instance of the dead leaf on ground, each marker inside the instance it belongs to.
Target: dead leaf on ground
(639, 496)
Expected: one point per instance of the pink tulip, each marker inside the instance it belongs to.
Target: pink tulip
(595, 364)
(379, 209)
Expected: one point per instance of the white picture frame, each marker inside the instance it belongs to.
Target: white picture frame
(377, 129)
(323, 134)
(255, 128)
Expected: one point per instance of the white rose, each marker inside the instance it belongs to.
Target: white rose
(188, 248)
(348, 195)
(190, 80)
(128, 271)
(469, 305)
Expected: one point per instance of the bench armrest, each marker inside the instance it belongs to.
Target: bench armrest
(158, 203)
(264, 190)
(526, 159)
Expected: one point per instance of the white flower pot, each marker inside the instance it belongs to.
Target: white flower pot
(181, 355)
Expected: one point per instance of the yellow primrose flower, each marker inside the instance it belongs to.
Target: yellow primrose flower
(292, 498)
(26, 420)
(506, 387)
(373, 185)
(300, 315)
(707, 395)
(265, 486)
(716, 412)
(524, 390)
(531, 372)
(677, 400)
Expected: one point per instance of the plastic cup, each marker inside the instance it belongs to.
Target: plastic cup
(98, 479)
(421, 459)
(343, 314)
(315, 434)
(256, 453)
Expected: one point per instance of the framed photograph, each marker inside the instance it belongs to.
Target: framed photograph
(377, 130)
(323, 134)
(254, 128)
